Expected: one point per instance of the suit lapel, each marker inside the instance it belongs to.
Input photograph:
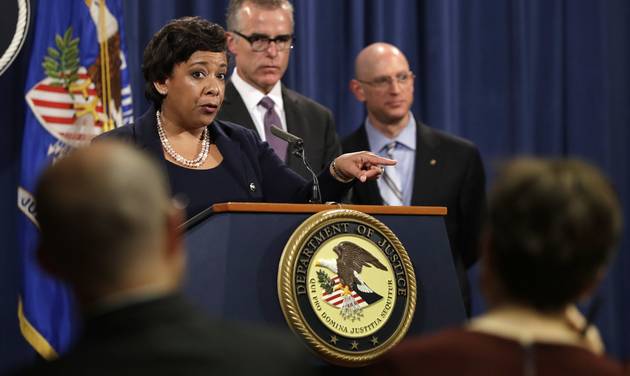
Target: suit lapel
(293, 125)
(232, 153)
(368, 191)
(234, 108)
(425, 169)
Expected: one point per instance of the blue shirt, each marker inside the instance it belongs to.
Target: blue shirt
(404, 153)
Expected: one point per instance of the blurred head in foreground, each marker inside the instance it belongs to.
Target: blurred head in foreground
(552, 227)
(108, 225)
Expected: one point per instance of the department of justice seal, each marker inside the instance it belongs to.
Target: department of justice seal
(347, 286)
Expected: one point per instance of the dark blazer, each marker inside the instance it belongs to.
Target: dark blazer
(306, 119)
(251, 161)
(167, 336)
(456, 180)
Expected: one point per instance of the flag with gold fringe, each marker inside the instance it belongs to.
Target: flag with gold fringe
(77, 87)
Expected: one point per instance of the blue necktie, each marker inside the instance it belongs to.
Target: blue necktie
(391, 191)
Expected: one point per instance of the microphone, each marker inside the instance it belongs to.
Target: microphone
(298, 150)
(288, 137)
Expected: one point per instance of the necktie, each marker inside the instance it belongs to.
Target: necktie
(391, 191)
(272, 118)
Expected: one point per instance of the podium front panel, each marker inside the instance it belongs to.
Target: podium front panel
(233, 264)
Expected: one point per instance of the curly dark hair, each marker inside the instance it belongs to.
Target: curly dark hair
(175, 43)
(553, 225)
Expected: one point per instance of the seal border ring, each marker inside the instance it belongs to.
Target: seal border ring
(289, 302)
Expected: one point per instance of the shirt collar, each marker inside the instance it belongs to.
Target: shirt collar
(252, 96)
(527, 325)
(406, 138)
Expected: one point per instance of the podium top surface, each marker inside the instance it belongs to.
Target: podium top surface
(259, 207)
(263, 207)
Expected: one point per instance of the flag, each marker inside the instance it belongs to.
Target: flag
(335, 298)
(77, 87)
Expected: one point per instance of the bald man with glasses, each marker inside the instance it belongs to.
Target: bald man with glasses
(260, 37)
(433, 168)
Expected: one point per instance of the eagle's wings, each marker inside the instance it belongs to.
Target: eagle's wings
(352, 258)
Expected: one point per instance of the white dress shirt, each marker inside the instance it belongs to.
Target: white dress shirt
(252, 96)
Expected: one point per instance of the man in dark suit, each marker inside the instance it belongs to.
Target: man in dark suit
(110, 230)
(260, 38)
(433, 168)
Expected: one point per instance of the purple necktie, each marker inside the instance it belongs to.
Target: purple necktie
(272, 118)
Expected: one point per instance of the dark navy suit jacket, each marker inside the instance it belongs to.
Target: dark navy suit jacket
(251, 161)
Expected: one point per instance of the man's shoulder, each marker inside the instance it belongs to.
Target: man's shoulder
(293, 97)
(274, 350)
(357, 140)
(176, 337)
(233, 333)
(443, 138)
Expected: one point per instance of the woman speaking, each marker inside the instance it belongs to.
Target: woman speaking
(210, 161)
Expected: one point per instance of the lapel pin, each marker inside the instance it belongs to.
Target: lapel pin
(252, 187)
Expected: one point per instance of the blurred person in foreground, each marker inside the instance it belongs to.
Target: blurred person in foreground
(110, 230)
(208, 160)
(549, 238)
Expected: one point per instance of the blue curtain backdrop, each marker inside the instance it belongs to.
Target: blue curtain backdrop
(538, 77)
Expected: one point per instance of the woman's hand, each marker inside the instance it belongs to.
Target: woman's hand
(361, 165)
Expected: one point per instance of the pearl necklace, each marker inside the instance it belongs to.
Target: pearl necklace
(191, 163)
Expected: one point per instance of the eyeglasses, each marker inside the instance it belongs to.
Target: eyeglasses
(383, 82)
(260, 42)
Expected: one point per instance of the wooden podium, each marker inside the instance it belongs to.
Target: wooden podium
(234, 250)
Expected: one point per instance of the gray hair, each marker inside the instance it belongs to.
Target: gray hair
(232, 15)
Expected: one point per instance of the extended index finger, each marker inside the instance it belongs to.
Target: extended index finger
(373, 159)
